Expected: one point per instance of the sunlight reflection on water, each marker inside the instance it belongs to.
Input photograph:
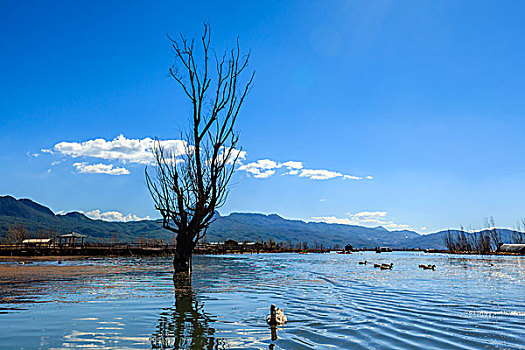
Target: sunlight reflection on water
(469, 302)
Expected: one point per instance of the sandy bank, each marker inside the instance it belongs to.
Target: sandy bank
(17, 273)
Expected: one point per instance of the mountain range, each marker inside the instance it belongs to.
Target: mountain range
(237, 226)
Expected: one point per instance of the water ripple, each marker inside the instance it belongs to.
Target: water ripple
(331, 301)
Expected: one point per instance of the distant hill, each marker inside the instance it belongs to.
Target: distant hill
(37, 217)
(252, 227)
(237, 226)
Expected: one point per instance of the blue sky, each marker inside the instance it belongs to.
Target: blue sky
(426, 97)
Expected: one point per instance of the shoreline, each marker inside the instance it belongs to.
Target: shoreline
(19, 258)
(42, 256)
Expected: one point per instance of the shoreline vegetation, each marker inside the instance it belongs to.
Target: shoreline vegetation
(19, 252)
(484, 242)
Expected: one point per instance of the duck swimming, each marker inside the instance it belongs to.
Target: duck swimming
(276, 317)
(363, 262)
(387, 266)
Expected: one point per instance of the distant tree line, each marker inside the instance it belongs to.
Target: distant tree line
(289, 245)
(484, 241)
(260, 246)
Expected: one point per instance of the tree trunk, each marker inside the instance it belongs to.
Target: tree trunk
(183, 253)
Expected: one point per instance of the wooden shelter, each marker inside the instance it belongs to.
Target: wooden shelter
(71, 239)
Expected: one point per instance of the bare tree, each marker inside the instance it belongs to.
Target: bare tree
(493, 234)
(450, 241)
(518, 236)
(187, 188)
(16, 233)
(463, 243)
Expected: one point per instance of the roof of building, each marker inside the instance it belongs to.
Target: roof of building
(512, 247)
(37, 240)
(73, 234)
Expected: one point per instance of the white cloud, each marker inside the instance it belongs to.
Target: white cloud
(56, 162)
(262, 168)
(234, 154)
(264, 174)
(319, 174)
(100, 168)
(120, 148)
(335, 220)
(265, 168)
(114, 216)
(369, 177)
(293, 164)
(351, 177)
(364, 218)
(393, 226)
(370, 214)
(139, 151)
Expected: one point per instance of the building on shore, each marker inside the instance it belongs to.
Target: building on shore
(38, 242)
(383, 249)
(72, 239)
(512, 248)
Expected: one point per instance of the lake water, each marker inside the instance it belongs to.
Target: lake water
(468, 302)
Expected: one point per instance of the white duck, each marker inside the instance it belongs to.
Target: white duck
(276, 317)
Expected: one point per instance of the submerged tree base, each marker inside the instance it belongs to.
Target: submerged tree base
(182, 262)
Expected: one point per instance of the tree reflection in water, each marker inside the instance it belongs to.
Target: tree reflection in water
(185, 325)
